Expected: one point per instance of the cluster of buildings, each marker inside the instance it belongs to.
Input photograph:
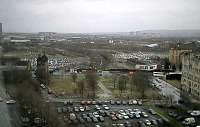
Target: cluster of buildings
(137, 55)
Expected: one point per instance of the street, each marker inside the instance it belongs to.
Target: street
(167, 89)
(106, 92)
(5, 120)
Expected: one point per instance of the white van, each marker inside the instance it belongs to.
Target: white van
(189, 121)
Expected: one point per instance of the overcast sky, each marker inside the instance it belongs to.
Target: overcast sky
(98, 15)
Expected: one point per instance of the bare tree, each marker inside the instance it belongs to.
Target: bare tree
(132, 83)
(142, 81)
(81, 87)
(122, 84)
(114, 77)
(74, 77)
(91, 78)
(28, 96)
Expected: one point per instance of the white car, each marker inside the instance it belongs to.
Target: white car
(43, 86)
(144, 114)
(81, 109)
(11, 102)
(97, 107)
(96, 114)
(189, 121)
(121, 111)
(147, 122)
(126, 117)
(195, 113)
(106, 107)
(134, 102)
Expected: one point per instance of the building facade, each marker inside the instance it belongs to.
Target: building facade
(175, 55)
(191, 74)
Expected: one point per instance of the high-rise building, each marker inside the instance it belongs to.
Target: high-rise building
(1, 29)
(191, 73)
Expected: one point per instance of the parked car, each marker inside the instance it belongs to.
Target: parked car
(119, 116)
(87, 108)
(126, 117)
(107, 113)
(137, 115)
(189, 121)
(97, 107)
(88, 119)
(81, 109)
(76, 109)
(94, 102)
(124, 102)
(130, 102)
(139, 102)
(102, 113)
(130, 115)
(113, 117)
(144, 114)
(152, 112)
(127, 124)
(84, 116)
(83, 102)
(195, 113)
(134, 102)
(106, 107)
(90, 115)
(10, 102)
(95, 114)
(118, 102)
(147, 122)
(72, 116)
(88, 102)
(94, 119)
(112, 102)
(42, 86)
(101, 118)
(154, 122)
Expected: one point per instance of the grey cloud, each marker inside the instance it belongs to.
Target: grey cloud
(98, 15)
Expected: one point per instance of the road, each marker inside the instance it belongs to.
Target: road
(9, 114)
(5, 119)
(167, 90)
(106, 92)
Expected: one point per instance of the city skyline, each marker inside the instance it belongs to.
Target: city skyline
(87, 16)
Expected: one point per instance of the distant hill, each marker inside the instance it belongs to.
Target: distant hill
(167, 33)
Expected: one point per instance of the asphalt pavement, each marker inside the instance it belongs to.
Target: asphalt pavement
(167, 89)
(5, 119)
(106, 92)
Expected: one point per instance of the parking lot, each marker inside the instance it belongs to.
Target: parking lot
(109, 113)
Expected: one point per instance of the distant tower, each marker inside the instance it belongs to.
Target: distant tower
(1, 31)
(1, 28)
